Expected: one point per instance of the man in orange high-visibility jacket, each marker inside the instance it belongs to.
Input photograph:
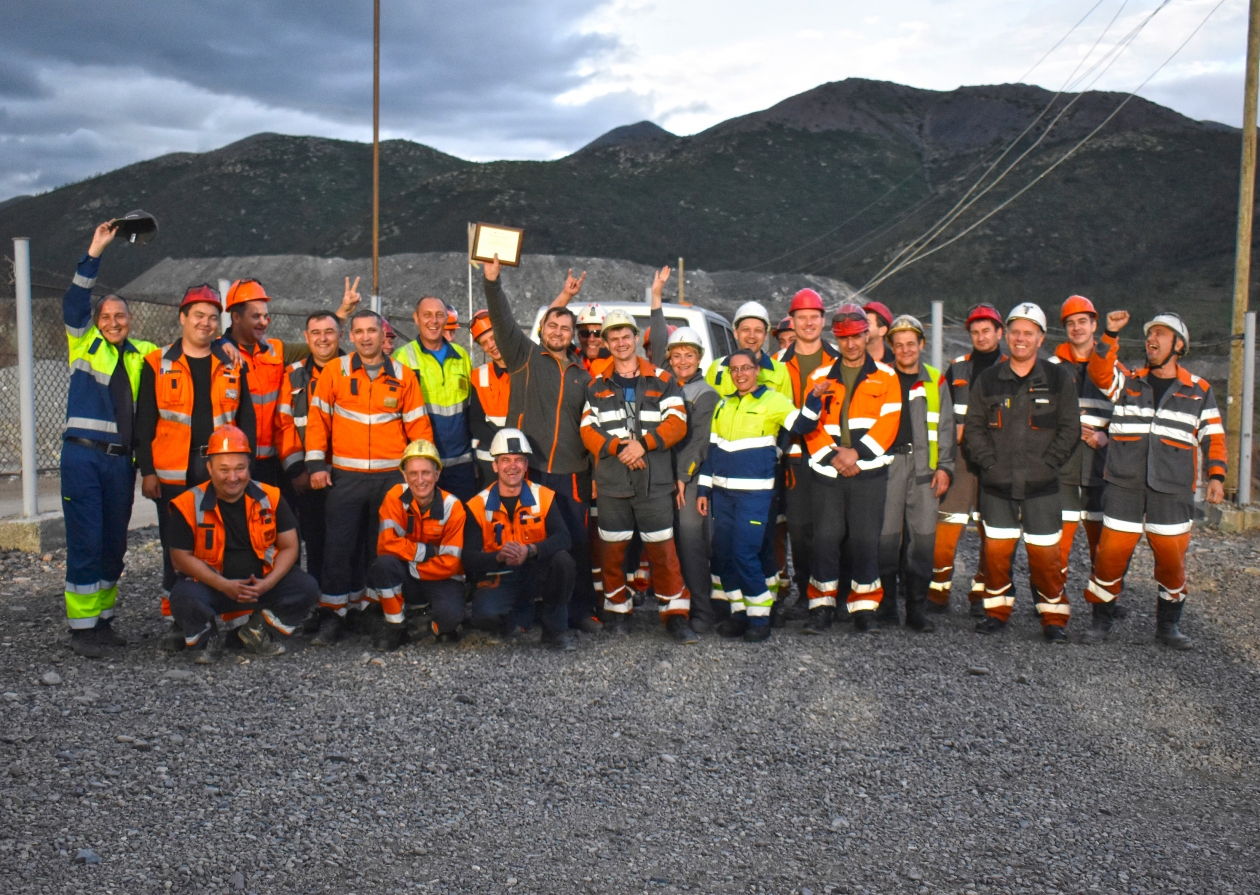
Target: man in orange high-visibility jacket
(516, 550)
(419, 551)
(491, 392)
(187, 389)
(367, 408)
(234, 542)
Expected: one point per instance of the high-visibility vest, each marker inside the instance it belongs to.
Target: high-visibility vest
(528, 525)
(200, 508)
(266, 373)
(174, 387)
(430, 541)
(296, 389)
(446, 389)
(493, 388)
(933, 396)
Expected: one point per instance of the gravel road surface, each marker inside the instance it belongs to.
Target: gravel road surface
(837, 764)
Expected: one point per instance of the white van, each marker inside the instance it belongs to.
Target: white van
(714, 329)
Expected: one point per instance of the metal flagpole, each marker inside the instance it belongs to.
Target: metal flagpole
(376, 155)
(472, 228)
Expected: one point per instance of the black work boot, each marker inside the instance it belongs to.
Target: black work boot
(1121, 611)
(916, 614)
(106, 635)
(173, 640)
(256, 637)
(617, 623)
(330, 628)
(210, 648)
(778, 614)
(679, 629)
(757, 633)
(864, 622)
(389, 638)
(734, 626)
(1167, 617)
(820, 618)
(1102, 623)
(887, 614)
(975, 608)
(1054, 634)
(990, 625)
(936, 608)
(84, 643)
(562, 641)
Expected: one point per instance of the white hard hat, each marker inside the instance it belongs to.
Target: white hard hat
(1173, 322)
(591, 315)
(684, 335)
(1026, 310)
(509, 441)
(616, 318)
(754, 309)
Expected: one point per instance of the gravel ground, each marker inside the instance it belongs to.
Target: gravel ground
(806, 765)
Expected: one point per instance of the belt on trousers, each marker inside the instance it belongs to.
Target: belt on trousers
(114, 450)
(901, 449)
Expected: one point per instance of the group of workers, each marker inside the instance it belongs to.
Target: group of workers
(565, 479)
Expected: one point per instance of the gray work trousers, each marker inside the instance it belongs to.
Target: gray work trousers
(692, 537)
(908, 537)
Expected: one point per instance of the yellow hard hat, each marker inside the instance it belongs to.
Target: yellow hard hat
(420, 448)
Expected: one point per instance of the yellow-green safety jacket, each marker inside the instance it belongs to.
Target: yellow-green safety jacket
(447, 387)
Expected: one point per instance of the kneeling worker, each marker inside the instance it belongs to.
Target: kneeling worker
(419, 550)
(234, 544)
(516, 547)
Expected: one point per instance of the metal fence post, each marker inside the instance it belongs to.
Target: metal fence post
(938, 333)
(1248, 409)
(26, 373)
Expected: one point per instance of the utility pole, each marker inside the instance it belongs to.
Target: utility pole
(1242, 252)
(376, 155)
(682, 293)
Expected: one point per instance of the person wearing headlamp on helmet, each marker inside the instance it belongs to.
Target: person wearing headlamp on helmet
(1166, 425)
(1023, 422)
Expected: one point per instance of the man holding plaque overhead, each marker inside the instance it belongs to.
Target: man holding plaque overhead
(548, 393)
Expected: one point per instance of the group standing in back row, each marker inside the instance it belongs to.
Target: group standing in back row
(558, 482)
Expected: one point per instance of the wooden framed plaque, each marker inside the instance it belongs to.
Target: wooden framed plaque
(491, 239)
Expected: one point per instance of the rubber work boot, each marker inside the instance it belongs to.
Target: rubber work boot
(106, 635)
(990, 625)
(84, 643)
(680, 630)
(589, 624)
(887, 613)
(1102, 623)
(561, 641)
(864, 622)
(820, 619)
(256, 637)
(916, 615)
(975, 608)
(330, 629)
(1167, 617)
(1053, 634)
(778, 615)
(735, 626)
(933, 607)
(617, 623)
(389, 638)
(1122, 611)
(212, 650)
(757, 633)
(173, 640)
(448, 636)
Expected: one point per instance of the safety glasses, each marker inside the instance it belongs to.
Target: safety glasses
(588, 334)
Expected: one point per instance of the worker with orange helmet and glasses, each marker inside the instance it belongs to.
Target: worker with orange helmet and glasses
(234, 544)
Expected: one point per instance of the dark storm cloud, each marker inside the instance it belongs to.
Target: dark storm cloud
(84, 87)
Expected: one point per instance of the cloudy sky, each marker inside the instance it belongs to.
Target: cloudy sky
(85, 88)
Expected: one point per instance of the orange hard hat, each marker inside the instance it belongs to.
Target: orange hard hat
(227, 439)
(480, 324)
(452, 319)
(245, 290)
(1077, 304)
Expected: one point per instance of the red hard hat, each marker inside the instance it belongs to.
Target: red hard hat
(245, 290)
(849, 320)
(388, 329)
(1077, 304)
(985, 311)
(806, 300)
(480, 324)
(205, 292)
(880, 310)
(227, 439)
(785, 325)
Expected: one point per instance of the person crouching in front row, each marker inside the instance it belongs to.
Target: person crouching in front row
(234, 545)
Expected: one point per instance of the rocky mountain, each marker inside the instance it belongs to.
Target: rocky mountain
(832, 182)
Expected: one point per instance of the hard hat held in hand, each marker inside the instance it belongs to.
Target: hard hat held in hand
(1026, 310)
(509, 441)
(228, 439)
(754, 309)
(420, 448)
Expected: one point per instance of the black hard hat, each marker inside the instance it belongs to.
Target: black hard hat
(137, 227)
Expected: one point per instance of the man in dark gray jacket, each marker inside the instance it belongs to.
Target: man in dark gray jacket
(1023, 422)
(548, 393)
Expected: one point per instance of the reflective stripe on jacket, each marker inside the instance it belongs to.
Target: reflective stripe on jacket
(446, 389)
(772, 374)
(1085, 466)
(744, 439)
(292, 412)
(430, 541)
(528, 525)
(266, 374)
(1158, 447)
(660, 423)
(200, 508)
(788, 358)
(959, 377)
(874, 416)
(488, 406)
(89, 404)
(173, 386)
(936, 419)
(360, 424)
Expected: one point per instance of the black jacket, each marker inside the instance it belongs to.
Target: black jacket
(1020, 432)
